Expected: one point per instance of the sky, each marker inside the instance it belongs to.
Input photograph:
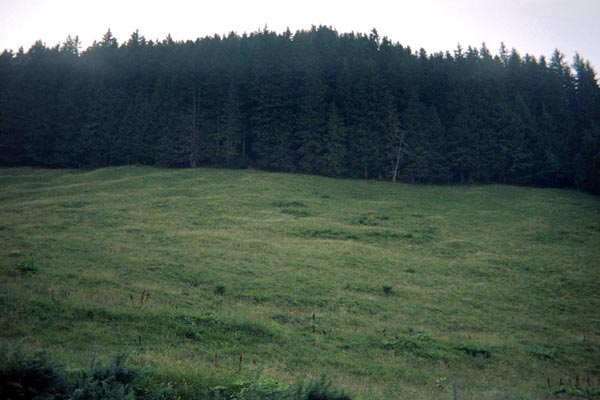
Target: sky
(536, 27)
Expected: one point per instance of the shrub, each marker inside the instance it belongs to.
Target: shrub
(253, 390)
(220, 290)
(544, 353)
(27, 267)
(294, 212)
(114, 381)
(421, 344)
(192, 331)
(30, 377)
(367, 220)
(327, 233)
(284, 204)
(474, 350)
(37, 378)
(387, 289)
(320, 389)
(193, 282)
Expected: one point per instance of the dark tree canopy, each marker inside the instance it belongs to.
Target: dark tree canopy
(315, 101)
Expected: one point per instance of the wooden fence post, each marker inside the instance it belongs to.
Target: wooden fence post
(455, 389)
(93, 362)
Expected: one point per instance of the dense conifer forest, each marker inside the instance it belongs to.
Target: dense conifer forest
(314, 101)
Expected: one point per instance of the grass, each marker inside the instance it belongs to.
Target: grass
(496, 285)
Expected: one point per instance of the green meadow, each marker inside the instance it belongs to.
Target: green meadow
(388, 290)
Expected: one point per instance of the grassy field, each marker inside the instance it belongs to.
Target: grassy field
(390, 290)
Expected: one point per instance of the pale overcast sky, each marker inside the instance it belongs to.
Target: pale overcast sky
(530, 26)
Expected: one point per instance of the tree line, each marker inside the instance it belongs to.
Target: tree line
(315, 101)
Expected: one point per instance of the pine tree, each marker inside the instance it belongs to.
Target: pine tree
(232, 128)
(396, 139)
(311, 126)
(334, 157)
(311, 101)
(191, 126)
(588, 167)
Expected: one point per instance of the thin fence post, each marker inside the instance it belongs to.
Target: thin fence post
(94, 355)
(455, 388)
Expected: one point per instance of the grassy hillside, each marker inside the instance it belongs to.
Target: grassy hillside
(409, 285)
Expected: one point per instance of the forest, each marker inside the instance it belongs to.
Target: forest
(315, 101)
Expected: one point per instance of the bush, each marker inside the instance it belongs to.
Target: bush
(115, 381)
(27, 267)
(474, 350)
(284, 204)
(30, 377)
(320, 390)
(220, 290)
(421, 344)
(544, 353)
(252, 390)
(294, 212)
(36, 378)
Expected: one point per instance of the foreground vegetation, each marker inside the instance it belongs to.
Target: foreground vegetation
(37, 377)
(211, 277)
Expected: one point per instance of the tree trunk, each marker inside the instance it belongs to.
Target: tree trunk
(397, 163)
(194, 133)
(399, 155)
(244, 146)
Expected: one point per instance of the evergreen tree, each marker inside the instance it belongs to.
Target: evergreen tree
(312, 101)
(335, 148)
(396, 139)
(233, 129)
(311, 126)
